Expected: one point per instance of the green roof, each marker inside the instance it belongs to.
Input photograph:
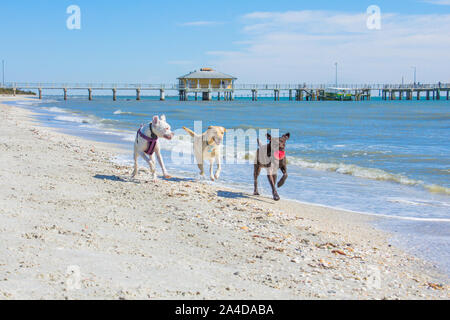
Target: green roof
(206, 75)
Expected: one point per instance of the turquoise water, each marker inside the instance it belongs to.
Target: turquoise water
(387, 158)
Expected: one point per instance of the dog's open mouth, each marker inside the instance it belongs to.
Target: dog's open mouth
(217, 141)
(168, 136)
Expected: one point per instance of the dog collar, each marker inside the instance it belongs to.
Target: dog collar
(279, 155)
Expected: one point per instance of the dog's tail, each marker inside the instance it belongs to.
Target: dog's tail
(192, 133)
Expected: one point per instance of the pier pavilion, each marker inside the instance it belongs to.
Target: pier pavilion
(206, 81)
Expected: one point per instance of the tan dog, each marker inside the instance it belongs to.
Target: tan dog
(207, 147)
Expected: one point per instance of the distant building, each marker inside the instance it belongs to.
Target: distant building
(206, 81)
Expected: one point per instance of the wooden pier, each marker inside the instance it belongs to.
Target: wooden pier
(294, 92)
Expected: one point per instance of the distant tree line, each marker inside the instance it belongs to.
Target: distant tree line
(18, 91)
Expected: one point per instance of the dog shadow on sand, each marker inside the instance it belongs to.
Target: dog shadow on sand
(220, 193)
(240, 195)
(135, 180)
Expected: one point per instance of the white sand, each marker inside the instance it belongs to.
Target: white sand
(65, 206)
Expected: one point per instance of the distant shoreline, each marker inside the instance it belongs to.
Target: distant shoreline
(9, 91)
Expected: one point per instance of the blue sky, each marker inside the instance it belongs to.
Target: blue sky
(257, 41)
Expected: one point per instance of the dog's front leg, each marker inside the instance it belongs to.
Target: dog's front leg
(135, 155)
(257, 170)
(219, 166)
(151, 163)
(161, 162)
(211, 169)
(273, 180)
(284, 177)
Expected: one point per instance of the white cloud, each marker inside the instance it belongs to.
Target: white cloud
(302, 46)
(439, 2)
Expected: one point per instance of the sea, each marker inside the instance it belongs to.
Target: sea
(389, 159)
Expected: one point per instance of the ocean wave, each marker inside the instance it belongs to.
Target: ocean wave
(419, 202)
(120, 112)
(75, 119)
(55, 110)
(367, 173)
(437, 189)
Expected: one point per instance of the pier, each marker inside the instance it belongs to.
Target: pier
(226, 92)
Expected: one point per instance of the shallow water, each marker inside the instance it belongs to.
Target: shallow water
(378, 157)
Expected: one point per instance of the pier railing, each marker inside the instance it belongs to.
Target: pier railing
(144, 86)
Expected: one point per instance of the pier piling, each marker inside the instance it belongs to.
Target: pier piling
(206, 96)
(90, 94)
(276, 95)
(40, 93)
(114, 94)
(65, 94)
(162, 95)
(138, 94)
(254, 95)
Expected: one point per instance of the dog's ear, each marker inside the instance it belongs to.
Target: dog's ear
(287, 135)
(269, 137)
(155, 120)
(163, 117)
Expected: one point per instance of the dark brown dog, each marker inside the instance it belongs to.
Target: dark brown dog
(272, 156)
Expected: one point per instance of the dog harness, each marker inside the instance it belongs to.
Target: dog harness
(151, 140)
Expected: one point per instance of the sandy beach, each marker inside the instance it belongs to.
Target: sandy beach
(73, 225)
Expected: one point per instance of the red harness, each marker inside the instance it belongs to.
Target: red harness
(151, 140)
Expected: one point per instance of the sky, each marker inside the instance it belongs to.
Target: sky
(262, 41)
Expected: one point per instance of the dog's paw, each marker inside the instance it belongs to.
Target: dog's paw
(256, 193)
(212, 178)
(217, 176)
(276, 197)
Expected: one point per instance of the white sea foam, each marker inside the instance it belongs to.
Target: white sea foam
(55, 109)
(120, 112)
(419, 202)
(72, 118)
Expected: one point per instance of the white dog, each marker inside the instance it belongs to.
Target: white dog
(147, 144)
